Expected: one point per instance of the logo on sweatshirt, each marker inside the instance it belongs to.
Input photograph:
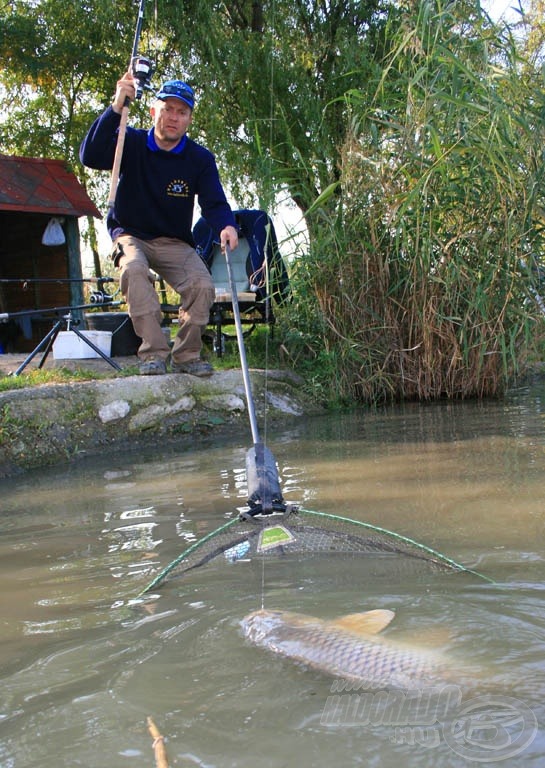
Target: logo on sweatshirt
(178, 188)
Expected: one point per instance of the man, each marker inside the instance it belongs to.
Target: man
(162, 171)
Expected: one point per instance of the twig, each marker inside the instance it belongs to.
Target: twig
(158, 745)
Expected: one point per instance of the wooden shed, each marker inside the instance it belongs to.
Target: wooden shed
(34, 276)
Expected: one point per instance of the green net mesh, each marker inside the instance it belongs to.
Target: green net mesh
(303, 532)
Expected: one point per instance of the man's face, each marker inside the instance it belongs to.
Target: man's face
(171, 119)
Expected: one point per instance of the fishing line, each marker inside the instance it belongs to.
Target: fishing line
(270, 527)
(267, 244)
(263, 584)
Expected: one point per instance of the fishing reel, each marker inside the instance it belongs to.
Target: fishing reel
(142, 70)
(100, 297)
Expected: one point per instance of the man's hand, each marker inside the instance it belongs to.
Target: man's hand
(126, 89)
(228, 236)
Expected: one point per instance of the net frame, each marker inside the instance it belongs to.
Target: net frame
(244, 529)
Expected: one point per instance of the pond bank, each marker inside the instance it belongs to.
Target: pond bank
(50, 424)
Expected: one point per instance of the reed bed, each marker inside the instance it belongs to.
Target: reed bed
(425, 271)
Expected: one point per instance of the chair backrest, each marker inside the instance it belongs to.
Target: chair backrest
(258, 250)
(239, 266)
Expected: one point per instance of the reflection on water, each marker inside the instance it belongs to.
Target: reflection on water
(82, 664)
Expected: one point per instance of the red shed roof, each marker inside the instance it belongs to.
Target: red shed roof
(40, 185)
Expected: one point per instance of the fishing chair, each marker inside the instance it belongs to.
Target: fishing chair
(253, 311)
(258, 270)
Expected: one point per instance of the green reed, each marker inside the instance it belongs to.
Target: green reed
(422, 277)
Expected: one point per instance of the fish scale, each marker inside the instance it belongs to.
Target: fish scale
(330, 648)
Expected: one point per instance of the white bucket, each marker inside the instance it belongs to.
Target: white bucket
(68, 346)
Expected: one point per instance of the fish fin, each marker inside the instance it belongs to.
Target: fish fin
(367, 623)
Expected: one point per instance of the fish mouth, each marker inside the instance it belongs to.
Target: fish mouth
(259, 624)
(266, 621)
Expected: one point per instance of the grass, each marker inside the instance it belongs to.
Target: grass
(263, 350)
(41, 377)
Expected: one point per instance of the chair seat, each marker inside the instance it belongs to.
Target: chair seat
(227, 296)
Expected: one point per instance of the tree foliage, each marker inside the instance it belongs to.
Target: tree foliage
(267, 75)
(60, 60)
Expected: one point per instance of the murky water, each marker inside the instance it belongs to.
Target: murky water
(82, 665)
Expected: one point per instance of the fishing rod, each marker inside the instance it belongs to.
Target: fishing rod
(6, 316)
(97, 296)
(270, 524)
(33, 280)
(142, 70)
(264, 494)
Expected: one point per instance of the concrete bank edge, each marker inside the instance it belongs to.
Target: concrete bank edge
(45, 425)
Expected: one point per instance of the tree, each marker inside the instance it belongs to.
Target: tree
(60, 60)
(268, 77)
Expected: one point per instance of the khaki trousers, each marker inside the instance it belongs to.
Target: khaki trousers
(182, 268)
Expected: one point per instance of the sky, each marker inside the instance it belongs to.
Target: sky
(501, 9)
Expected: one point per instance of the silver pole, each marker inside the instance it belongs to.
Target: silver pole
(241, 348)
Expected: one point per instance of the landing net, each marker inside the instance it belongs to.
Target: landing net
(298, 533)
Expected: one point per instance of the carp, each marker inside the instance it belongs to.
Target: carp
(346, 647)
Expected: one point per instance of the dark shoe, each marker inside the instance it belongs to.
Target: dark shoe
(152, 368)
(193, 367)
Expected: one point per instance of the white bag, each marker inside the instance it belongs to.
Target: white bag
(54, 233)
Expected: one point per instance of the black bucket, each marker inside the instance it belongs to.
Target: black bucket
(125, 342)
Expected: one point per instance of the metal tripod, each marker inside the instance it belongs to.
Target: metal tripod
(46, 344)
